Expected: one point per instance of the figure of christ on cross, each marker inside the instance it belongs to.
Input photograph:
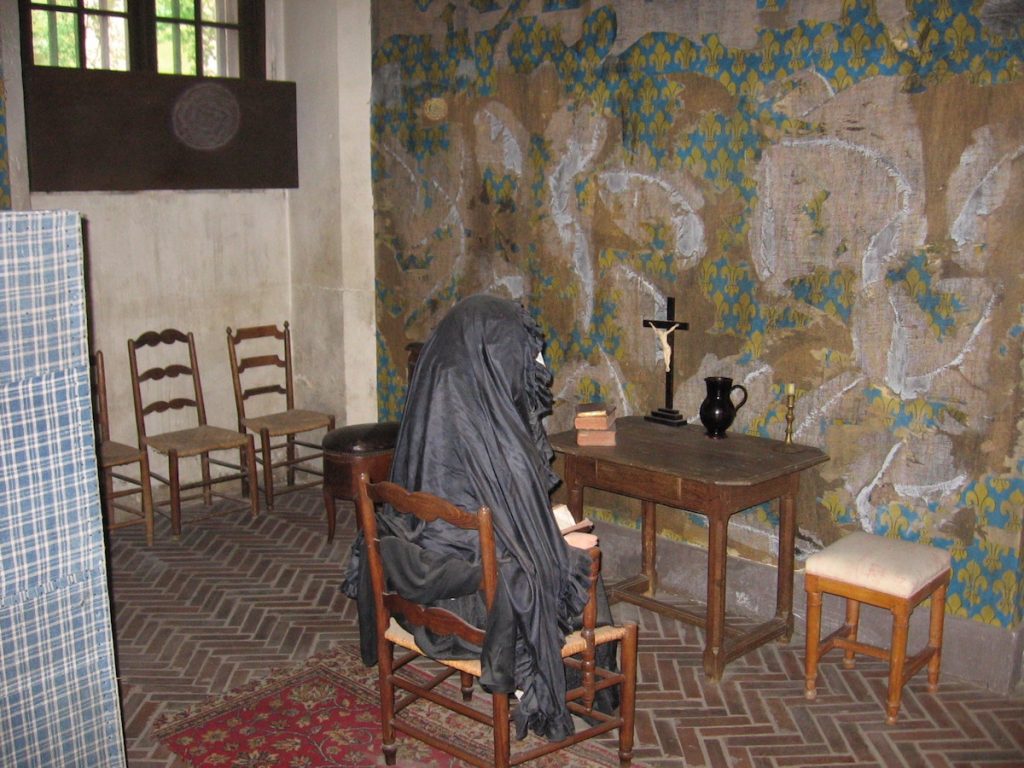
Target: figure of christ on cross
(664, 330)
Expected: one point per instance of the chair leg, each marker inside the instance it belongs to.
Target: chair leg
(254, 497)
(172, 476)
(147, 496)
(387, 705)
(813, 648)
(246, 490)
(291, 459)
(502, 744)
(938, 612)
(627, 696)
(852, 627)
(268, 468)
(204, 460)
(108, 492)
(467, 685)
(897, 659)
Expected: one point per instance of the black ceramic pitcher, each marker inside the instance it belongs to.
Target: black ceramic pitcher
(718, 410)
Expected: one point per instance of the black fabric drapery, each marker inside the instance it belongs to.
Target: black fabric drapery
(472, 434)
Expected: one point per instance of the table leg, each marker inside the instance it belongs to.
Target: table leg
(575, 501)
(649, 542)
(714, 648)
(787, 539)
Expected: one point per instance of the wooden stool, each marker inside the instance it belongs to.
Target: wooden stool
(357, 448)
(350, 451)
(892, 574)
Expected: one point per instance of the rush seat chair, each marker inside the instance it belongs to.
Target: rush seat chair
(170, 386)
(399, 689)
(261, 373)
(114, 458)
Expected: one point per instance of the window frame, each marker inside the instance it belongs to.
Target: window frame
(142, 44)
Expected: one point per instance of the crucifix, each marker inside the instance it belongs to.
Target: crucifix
(664, 329)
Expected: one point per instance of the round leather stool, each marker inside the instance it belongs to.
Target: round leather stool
(350, 451)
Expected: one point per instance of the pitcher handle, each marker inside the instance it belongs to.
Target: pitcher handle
(742, 389)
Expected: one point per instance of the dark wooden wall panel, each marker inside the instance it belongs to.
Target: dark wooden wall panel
(99, 130)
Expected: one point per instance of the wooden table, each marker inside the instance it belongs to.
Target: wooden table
(683, 468)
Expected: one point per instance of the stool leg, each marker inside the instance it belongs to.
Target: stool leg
(330, 511)
(935, 636)
(813, 649)
(897, 658)
(852, 626)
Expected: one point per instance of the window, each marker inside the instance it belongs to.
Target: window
(197, 37)
(87, 34)
(119, 97)
(204, 38)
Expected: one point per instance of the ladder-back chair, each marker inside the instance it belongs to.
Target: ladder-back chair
(113, 457)
(578, 651)
(175, 367)
(261, 372)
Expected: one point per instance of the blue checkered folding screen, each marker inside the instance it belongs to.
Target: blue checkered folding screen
(59, 705)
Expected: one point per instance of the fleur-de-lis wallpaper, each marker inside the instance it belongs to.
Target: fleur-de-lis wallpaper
(833, 201)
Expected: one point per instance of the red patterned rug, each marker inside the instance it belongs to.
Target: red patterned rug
(325, 714)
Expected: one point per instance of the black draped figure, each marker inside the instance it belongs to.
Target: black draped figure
(472, 434)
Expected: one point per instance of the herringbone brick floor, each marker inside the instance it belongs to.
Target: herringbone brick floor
(235, 598)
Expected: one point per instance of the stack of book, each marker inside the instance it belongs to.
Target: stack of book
(595, 424)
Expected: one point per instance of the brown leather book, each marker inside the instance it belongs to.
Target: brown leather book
(595, 437)
(594, 416)
(595, 408)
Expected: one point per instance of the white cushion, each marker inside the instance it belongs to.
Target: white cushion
(892, 566)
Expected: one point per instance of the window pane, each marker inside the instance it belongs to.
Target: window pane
(54, 39)
(176, 9)
(117, 6)
(65, 3)
(106, 42)
(224, 11)
(220, 52)
(175, 49)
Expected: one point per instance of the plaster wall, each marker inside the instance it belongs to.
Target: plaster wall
(330, 219)
(197, 261)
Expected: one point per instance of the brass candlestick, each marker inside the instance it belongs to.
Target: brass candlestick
(790, 405)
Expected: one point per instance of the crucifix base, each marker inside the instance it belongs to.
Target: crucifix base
(668, 416)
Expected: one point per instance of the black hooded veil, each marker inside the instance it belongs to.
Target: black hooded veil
(472, 434)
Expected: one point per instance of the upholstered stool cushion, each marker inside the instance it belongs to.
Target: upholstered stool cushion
(891, 566)
(362, 438)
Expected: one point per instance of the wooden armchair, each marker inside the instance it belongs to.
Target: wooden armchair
(113, 457)
(579, 650)
(177, 365)
(261, 372)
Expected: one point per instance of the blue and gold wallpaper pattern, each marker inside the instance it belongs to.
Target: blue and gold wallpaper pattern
(833, 200)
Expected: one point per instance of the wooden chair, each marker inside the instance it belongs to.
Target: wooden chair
(261, 371)
(112, 456)
(578, 652)
(891, 574)
(150, 391)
